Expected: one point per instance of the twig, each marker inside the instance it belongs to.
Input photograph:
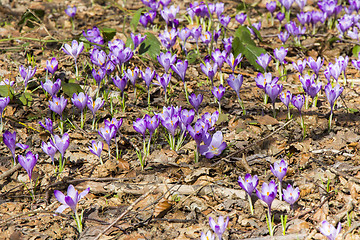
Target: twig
(125, 212)
(11, 171)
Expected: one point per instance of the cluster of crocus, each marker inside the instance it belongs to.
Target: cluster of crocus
(70, 201)
(219, 228)
(9, 140)
(269, 190)
(141, 125)
(61, 144)
(26, 74)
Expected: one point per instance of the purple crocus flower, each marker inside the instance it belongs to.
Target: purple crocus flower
(332, 93)
(62, 143)
(51, 87)
(120, 82)
(108, 132)
(27, 74)
(180, 68)
(235, 83)
(301, 3)
(197, 133)
(291, 195)
(273, 90)
(220, 227)
(58, 105)
(132, 75)
(218, 57)
(233, 62)
(279, 169)
(218, 92)
(148, 76)
(98, 57)
(334, 70)
(208, 236)
(6, 82)
(216, 34)
(287, 4)
(241, 18)
(48, 125)
(80, 100)
(329, 231)
(268, 193)
(94, 106)
(171, 123)
(140, 126)
(263, 79)
(342, 62)
(71, 200)
(49, 149)
(165, 3)
(285, 98)
(93, 35)
(303, 18)
(4, 101)
(213, 146)
(263, 60)
(280, 54)
(219, 8)
(28, 162)
(227, 42)
(196, 33)
(74, 50)
(271, 6)
(169, 14)
(168, 39)
(309, 85)
(298, 102)
(152, 123)
(9, 140)
(96, 148)
(186, 118)
(315, 65)
(249, 183)
(280, 16)
(70, 11)
(195, 100)
(98, 75)
(225, 20)
(137, 39)
(166, 60)
(116, 123)
(206, 38)
(209, 70)
(52, 65)
(164, 81)
(300, 66)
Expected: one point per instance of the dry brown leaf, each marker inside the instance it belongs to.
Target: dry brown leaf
(162, 208)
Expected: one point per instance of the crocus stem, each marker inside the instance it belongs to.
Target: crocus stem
(76, 70)
(314, 101)
(148, 98)
(61, 126)
(82, 120)
(197, 153)
(265, 98)
(93, 122)
(101, 161)
(289, 116)
(271, 230)
(242, 105)
(219, 107)
(78, 222)
(280, 192)
(250, 204)
(274, 110)
(1, 123)
(165, 98)
(109, 152)
(186, 92)
(135, 94)
(123, 101)
(117, 148)
(330, 120)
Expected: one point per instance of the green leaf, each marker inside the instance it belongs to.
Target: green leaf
(192, 57)
(129, 42)
(136, 19)
(258, 35)
(26, 99)
(150, 45)
(222, 118)
(29, 17)
(245, 45)
(108, 33)
(356, 51)
(6, 91)
(71, 88)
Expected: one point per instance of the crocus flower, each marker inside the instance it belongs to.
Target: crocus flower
(186, 118)
(195, 100)
(298, 102)
(279, 170)
(280, 54)
(287, 4)
(283, 36)
(268, 193)
(94, 106)
(301, 3)
(107, 133)
(209, 70)
(140, 126)
(206, 38)
(93, 35)
(70, 11)
(227, 42)
(168, 38)
(98, 75)
(96, 148)
(152, 123)
(196, 33)
(197, 133)
(4, 101)
(49, 149)
(51, 87)
(303, 18)
(61, 143)
(148, 76)
(166, 60)
(218, 57)
(249, 183)
(74, 50)
(233, 62)
(213, 146)
(120, 82)
(26, 74)
(28, 162)
(164, 81)
(80, 100)
(235, 83)
(48, 125)
(309, 85)
(300, 66)
(58, 105)
(6, 82)
(263, 60)
(291, 195)
(9, 140)
(116, 123)
(225, 20)
(241, 18)
(280, 16)
(329, 231)
(137, 39)
(220, 227)
(273, 90)
(263, 79)
(285, 98)
(208, 236)
(210, 119)
(98, 57)
(332, 93)
(169, 14)
(271, 6)
(218, 92)
(132, 75)
(171, 123)
(52, 65)
(71, 200)
(315, 65)
(219, 8)
(180, 68)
